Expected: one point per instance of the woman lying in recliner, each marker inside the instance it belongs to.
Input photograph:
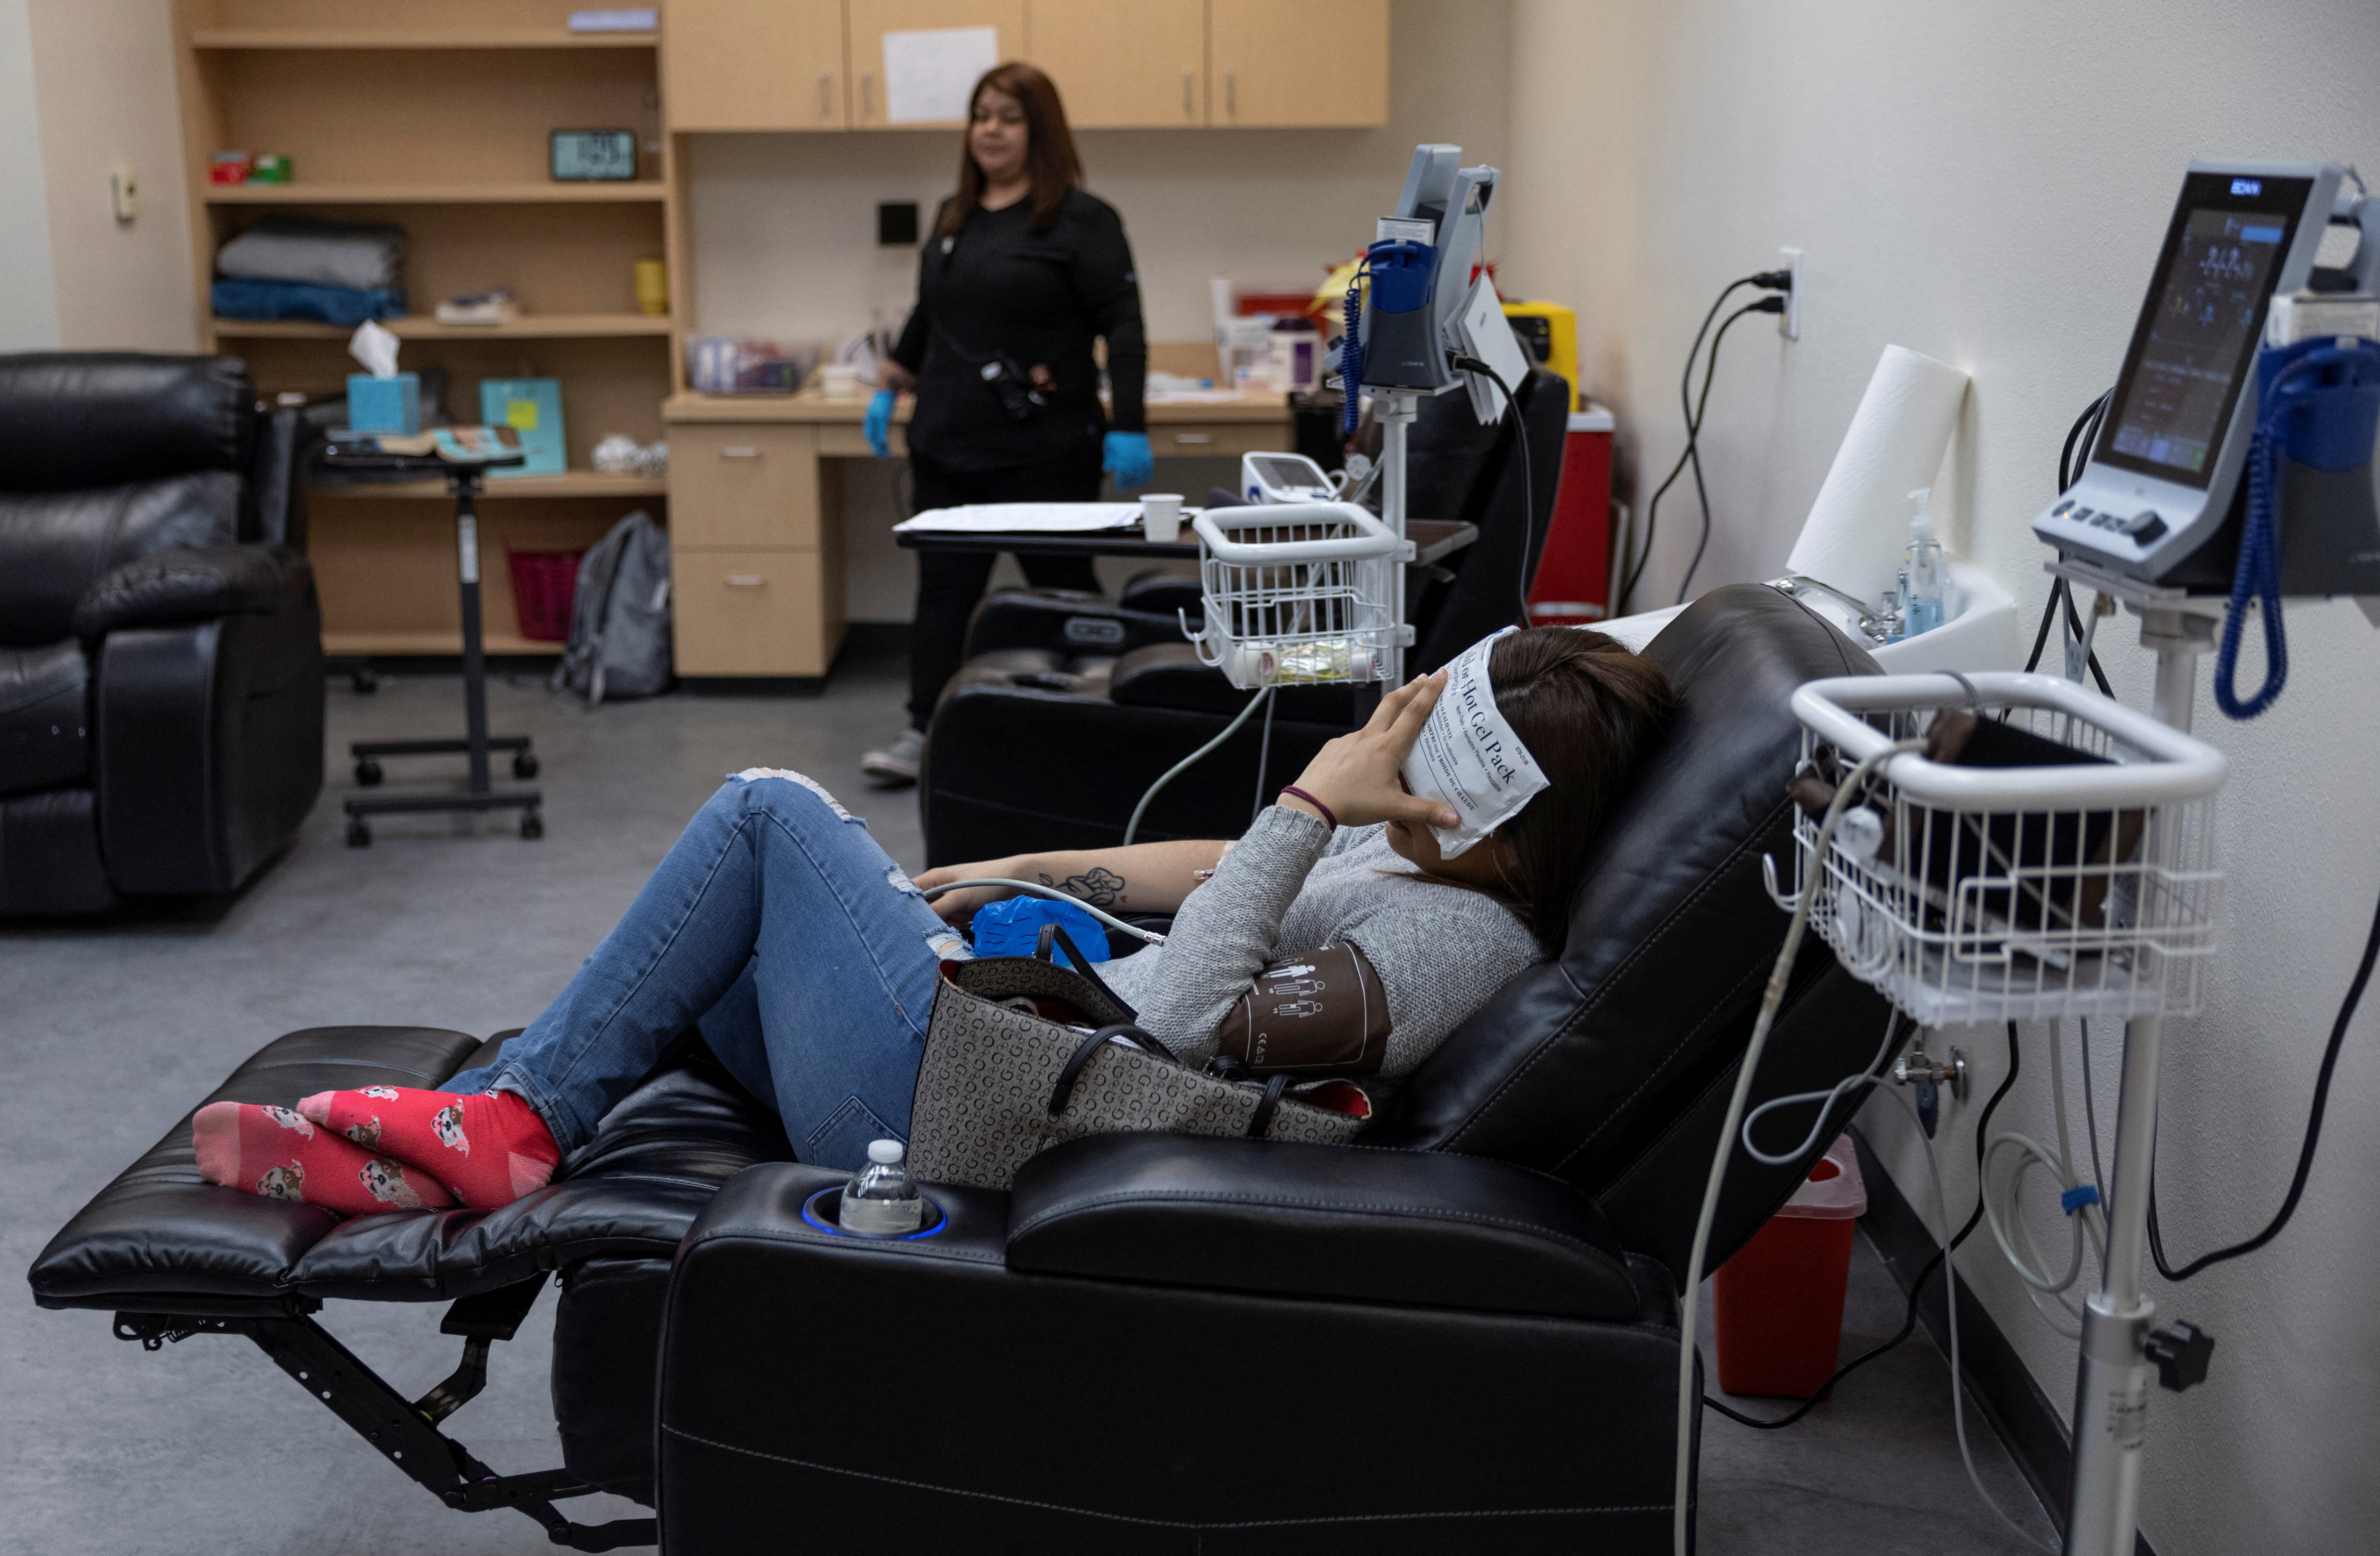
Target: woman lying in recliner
(809, 960)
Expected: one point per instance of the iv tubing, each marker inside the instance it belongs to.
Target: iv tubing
(1775, 997)
(1132, 828)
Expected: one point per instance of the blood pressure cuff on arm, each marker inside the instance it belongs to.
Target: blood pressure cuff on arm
(1318, 1012)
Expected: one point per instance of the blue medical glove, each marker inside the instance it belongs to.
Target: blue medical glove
(1128, 459)
(878, 425)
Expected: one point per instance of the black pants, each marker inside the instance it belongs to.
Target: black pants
(949, 583)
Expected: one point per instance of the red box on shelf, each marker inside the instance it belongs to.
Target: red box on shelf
(1778, 1302)
(1572, 588)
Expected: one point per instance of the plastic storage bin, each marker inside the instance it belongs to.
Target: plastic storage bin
(545, 585)
(1778, 1302)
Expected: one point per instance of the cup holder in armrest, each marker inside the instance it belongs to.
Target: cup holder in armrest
(823, 1211)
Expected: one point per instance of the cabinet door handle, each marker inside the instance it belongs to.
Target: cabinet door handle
(1193, 437)
(867, 95)
(1185, 94)
(1230, 92)
(745, 579)
(826, 93)
(739, 452)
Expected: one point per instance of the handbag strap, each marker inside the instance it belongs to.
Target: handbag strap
(1261, 1119)
(1063, 1091)
(1056, 933)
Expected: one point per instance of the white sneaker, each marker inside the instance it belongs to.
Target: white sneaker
(898, 764)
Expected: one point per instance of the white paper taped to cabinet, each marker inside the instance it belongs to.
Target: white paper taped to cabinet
(1470, 757)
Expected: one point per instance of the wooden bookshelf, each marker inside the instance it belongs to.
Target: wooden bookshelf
(434, 116)
(645, 190)
(411, 38)
(573, 483)
(528, 326)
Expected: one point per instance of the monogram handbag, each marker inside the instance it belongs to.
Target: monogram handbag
(1008, 1073)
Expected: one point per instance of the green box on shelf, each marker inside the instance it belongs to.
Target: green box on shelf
(531, 408)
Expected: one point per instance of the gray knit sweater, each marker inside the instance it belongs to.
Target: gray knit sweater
(1292, 885)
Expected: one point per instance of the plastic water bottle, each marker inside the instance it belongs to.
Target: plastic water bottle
(1922, 611)
(880, 1201)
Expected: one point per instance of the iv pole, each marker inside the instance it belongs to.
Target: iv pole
(2118, 1349)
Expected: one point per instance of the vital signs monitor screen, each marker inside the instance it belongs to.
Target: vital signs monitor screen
(2196, 339)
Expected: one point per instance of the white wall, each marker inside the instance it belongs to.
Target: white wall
(103, 77)
(1988, 184)
(784, 225)
(29, 306)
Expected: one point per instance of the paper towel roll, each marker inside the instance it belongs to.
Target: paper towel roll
(1859, 526)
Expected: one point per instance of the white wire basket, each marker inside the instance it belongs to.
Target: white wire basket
(1298, 593)
(2059, 860)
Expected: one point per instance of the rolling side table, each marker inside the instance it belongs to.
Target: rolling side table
(464, 480)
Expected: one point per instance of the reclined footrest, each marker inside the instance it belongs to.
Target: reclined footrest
(405, 1432)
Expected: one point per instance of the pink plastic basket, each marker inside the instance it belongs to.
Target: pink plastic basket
(544, 585)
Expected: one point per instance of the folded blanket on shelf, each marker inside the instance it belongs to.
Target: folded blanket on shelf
(364, 256)
(298, 299)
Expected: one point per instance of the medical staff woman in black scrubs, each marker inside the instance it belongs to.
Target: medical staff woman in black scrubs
(1022, 271)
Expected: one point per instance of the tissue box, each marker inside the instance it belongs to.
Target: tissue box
(384, 405)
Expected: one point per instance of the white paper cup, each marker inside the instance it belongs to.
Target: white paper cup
(1161, 516)
(839, 380)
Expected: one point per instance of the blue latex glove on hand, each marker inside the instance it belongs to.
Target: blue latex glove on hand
(879, 424)
(1128, 460)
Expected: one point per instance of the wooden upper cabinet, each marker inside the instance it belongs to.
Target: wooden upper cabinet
(870, 20)
(754, 65)
(1297, 63)
(1141, 66)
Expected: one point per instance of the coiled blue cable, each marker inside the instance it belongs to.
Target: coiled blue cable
(2317, 403)
(2257, 574)
(1351, 357)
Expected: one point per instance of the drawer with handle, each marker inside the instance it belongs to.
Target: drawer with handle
(748, 612)
(1219, 439)
(744, 484)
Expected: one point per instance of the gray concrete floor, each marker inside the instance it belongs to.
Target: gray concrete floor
(112, 1029)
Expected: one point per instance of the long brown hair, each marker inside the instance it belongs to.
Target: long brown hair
(1588, 710)
(1049, 159)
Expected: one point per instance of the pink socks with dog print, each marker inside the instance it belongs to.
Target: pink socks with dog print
(489, 1148)
(383, 1148)
(272, 1152)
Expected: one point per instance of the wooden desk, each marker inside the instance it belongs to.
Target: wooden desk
(756, 526)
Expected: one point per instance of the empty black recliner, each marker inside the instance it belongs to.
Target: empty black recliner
(1070, 704)
(161, 659)
(1457, 1334)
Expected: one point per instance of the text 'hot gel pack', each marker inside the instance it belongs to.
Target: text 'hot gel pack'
(1470, 757)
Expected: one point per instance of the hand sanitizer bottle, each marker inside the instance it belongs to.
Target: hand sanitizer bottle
(1922, 609)
(881, 1200)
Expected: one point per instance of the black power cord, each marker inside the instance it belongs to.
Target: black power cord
(1528, 477)
(1694, 437)
(2079, 439)
(1772, 281)
(1916, 1287)
(2306, 1151)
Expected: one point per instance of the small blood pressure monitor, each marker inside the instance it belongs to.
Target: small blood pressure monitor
(2167, 464)
(1284, 477)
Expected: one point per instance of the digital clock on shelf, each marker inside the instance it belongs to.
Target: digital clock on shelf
(594, 155)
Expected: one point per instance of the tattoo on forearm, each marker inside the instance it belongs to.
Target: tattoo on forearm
(1100, 886)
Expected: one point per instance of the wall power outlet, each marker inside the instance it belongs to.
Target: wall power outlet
(1789, 323)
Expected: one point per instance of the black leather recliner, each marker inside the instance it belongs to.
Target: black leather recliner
(160, 660)
(1070, 706)
(1459, 1335)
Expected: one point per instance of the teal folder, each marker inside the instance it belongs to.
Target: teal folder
(531, 408)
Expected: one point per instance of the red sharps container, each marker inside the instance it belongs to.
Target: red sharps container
(1778, 1302)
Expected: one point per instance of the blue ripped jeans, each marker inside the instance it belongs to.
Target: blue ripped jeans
(801, 951)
